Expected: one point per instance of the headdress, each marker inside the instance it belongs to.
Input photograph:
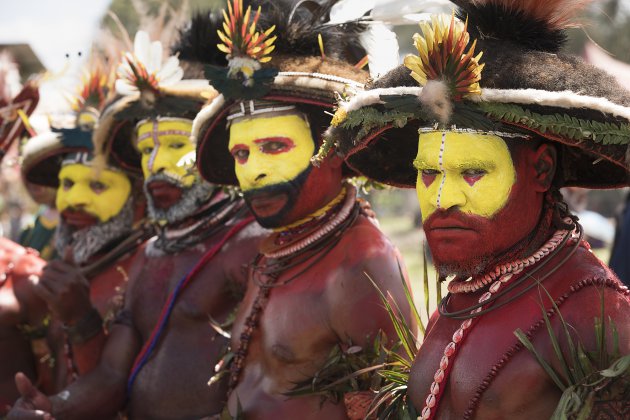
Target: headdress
(277, 57)
(148, 87)
(44, 154)
(494, 68)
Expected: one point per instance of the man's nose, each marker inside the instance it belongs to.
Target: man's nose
(450, 194)
(159, 161)
(78, 196)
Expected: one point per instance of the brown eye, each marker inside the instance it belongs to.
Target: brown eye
(474, 172)
(273, 147)
(66, 184)
(241, 155)
(177, 146)
(146, 150)
(97, 186)
(430, 172)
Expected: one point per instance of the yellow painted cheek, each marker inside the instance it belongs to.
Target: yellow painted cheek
(103, 205)
(171, 162)
(110, 202)
(277, 168)
(465, 151)
(175, 162)
(427, 196)
(489, 195)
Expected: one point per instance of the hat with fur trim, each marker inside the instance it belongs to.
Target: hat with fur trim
(497, 70)
(148, 88)
(297, 59)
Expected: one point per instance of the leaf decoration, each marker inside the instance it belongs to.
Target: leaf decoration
(561, 125)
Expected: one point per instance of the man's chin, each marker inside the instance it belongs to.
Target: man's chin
(269, 205)
(449, 265)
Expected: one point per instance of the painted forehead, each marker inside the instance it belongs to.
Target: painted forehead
(86, 159)
(465, 148)
(163, 127)
(270, 124)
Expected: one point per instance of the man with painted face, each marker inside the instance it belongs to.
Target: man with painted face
(309, 287)
(97, 238)
(491, 150)
(183, 290)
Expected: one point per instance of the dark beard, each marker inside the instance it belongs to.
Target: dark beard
(470, 268)
(88, 242)
(192, 198)
(291, 189)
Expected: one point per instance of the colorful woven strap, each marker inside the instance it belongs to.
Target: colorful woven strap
(151, 343)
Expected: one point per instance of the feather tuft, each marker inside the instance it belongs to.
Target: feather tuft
(298, 28)
(436, 98)
(198, 40)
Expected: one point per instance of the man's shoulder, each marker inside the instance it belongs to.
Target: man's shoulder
(585, 284)
(366, 239)
(584, 268)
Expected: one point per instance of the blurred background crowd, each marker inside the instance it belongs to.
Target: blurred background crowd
(50, 41)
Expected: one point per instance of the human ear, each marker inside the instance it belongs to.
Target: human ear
(544, 160)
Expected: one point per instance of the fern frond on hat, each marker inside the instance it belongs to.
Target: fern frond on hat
(495, 67)
(271, 56)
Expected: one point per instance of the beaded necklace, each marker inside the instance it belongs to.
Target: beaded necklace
(503, 275)
(271, 266)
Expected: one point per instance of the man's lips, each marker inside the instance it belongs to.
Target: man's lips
(265, 205)
(449, 225)
(79, 219)
(164, 194)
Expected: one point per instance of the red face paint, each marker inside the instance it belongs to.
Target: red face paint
(240, 153)
(463, 243)
(275, 145)
(429, 176)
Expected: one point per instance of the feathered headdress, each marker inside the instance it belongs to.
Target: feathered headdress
(277, 54)
(148, 86)
(515, 88)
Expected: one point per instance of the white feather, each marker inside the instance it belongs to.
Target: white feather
(349, 10)
(381, 45)
(400, 12)
(141, 46)
(154, 60)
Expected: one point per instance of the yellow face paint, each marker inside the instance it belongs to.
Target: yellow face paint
(102, 195)
(270, 150)
(165, 147)
(472, 172)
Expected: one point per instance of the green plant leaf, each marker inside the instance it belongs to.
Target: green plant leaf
(543, 363)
